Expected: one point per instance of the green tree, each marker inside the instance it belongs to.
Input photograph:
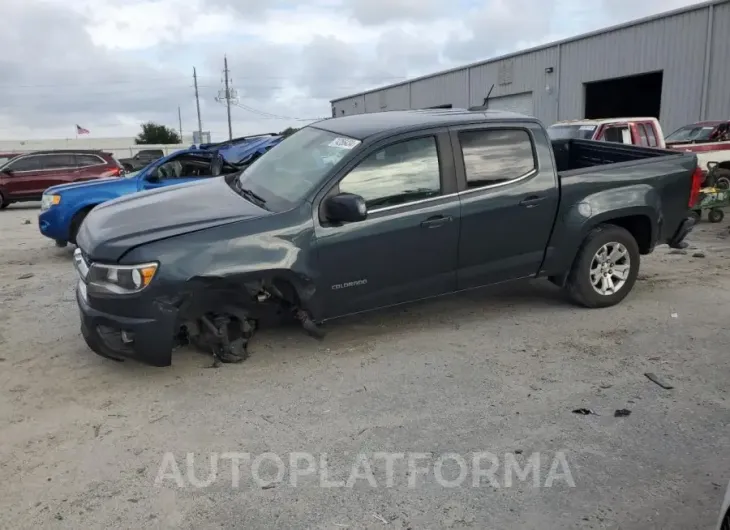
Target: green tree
(154, 133)
(288, 132)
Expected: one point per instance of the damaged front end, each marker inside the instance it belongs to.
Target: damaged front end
(214, 325)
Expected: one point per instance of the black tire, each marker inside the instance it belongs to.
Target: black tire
(715, 215)
(579, 284)
(128, 168)
(3, 203)
(76, 222)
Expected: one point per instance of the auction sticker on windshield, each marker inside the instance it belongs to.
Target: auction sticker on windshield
(344, 143)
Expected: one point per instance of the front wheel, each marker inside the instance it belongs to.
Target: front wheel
(606, 267)
(3, 202)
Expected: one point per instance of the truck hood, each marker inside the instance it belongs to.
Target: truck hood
(85, 184)
(115, 227)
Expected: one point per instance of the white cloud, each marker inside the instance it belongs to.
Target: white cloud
(112, 64)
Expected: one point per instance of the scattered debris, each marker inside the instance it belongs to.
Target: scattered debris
(133, 501)
(2, 359)
(26, 276)
(269, 486)
(675, 315)
(654, 379)
(606, 386)
(518, 451)
(584, 412)
(267, 418)
(678, 252)
(699, 255)
(623, 413)
(97, 428)
(160, 418)
(379, 518)
(141, 470)
(654, 359)
(26, 222)
(59, 517)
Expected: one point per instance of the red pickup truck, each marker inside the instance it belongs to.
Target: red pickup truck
(25, 177)
(645, 132)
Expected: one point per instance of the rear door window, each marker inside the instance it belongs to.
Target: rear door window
(495, 156)
(58, 161)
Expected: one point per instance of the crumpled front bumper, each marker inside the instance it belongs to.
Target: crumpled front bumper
(149, 340)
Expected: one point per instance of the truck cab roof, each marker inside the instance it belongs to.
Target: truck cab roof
(362, 126)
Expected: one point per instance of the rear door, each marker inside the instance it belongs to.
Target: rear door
(509, 199)
(56, 168)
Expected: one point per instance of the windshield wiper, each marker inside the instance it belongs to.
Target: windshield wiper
(251, 196)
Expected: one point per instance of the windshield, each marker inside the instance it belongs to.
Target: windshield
(691, 133)
(570, 132)
(283, 176)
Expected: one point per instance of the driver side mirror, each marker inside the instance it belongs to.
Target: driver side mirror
(346, 208)
(154, 176)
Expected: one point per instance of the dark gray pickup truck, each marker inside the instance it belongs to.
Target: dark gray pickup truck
(361, 212)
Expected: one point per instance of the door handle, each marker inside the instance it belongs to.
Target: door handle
(436, 221)
(532, 201)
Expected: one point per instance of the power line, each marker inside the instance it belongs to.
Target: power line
(272, 116)
(172, 80)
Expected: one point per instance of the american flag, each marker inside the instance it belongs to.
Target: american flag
(81, 130)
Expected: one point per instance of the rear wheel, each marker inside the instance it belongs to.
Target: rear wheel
(76, 223)
(3, 202)
(606, 267)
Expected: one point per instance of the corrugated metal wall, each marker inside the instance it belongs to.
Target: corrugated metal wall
(523, 73)
(675, 44)
(718, 90)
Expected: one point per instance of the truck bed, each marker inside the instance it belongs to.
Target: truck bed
(574, 156)
(609, 177)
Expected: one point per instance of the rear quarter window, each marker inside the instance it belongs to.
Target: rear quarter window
(88, 160)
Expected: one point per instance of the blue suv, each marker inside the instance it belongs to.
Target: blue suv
(64, 207)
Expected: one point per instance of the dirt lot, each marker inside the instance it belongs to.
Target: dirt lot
(498, 371)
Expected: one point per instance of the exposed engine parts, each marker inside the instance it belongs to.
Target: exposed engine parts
(226, 334)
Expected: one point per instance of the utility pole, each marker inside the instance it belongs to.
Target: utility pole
(228, 97)
(197, 104)
(179, 121)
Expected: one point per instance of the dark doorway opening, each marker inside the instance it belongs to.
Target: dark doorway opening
(634, 96)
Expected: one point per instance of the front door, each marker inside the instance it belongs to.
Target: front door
(509, 200)
(23, 175)
(406, 249)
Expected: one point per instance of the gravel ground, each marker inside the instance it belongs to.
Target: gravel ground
(497, 371)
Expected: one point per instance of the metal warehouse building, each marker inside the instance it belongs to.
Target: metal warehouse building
(674, 66)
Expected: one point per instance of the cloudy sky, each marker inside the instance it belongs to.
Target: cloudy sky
(109, 65)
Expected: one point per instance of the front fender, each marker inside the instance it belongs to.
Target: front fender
(229, 264)
(577, 220)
